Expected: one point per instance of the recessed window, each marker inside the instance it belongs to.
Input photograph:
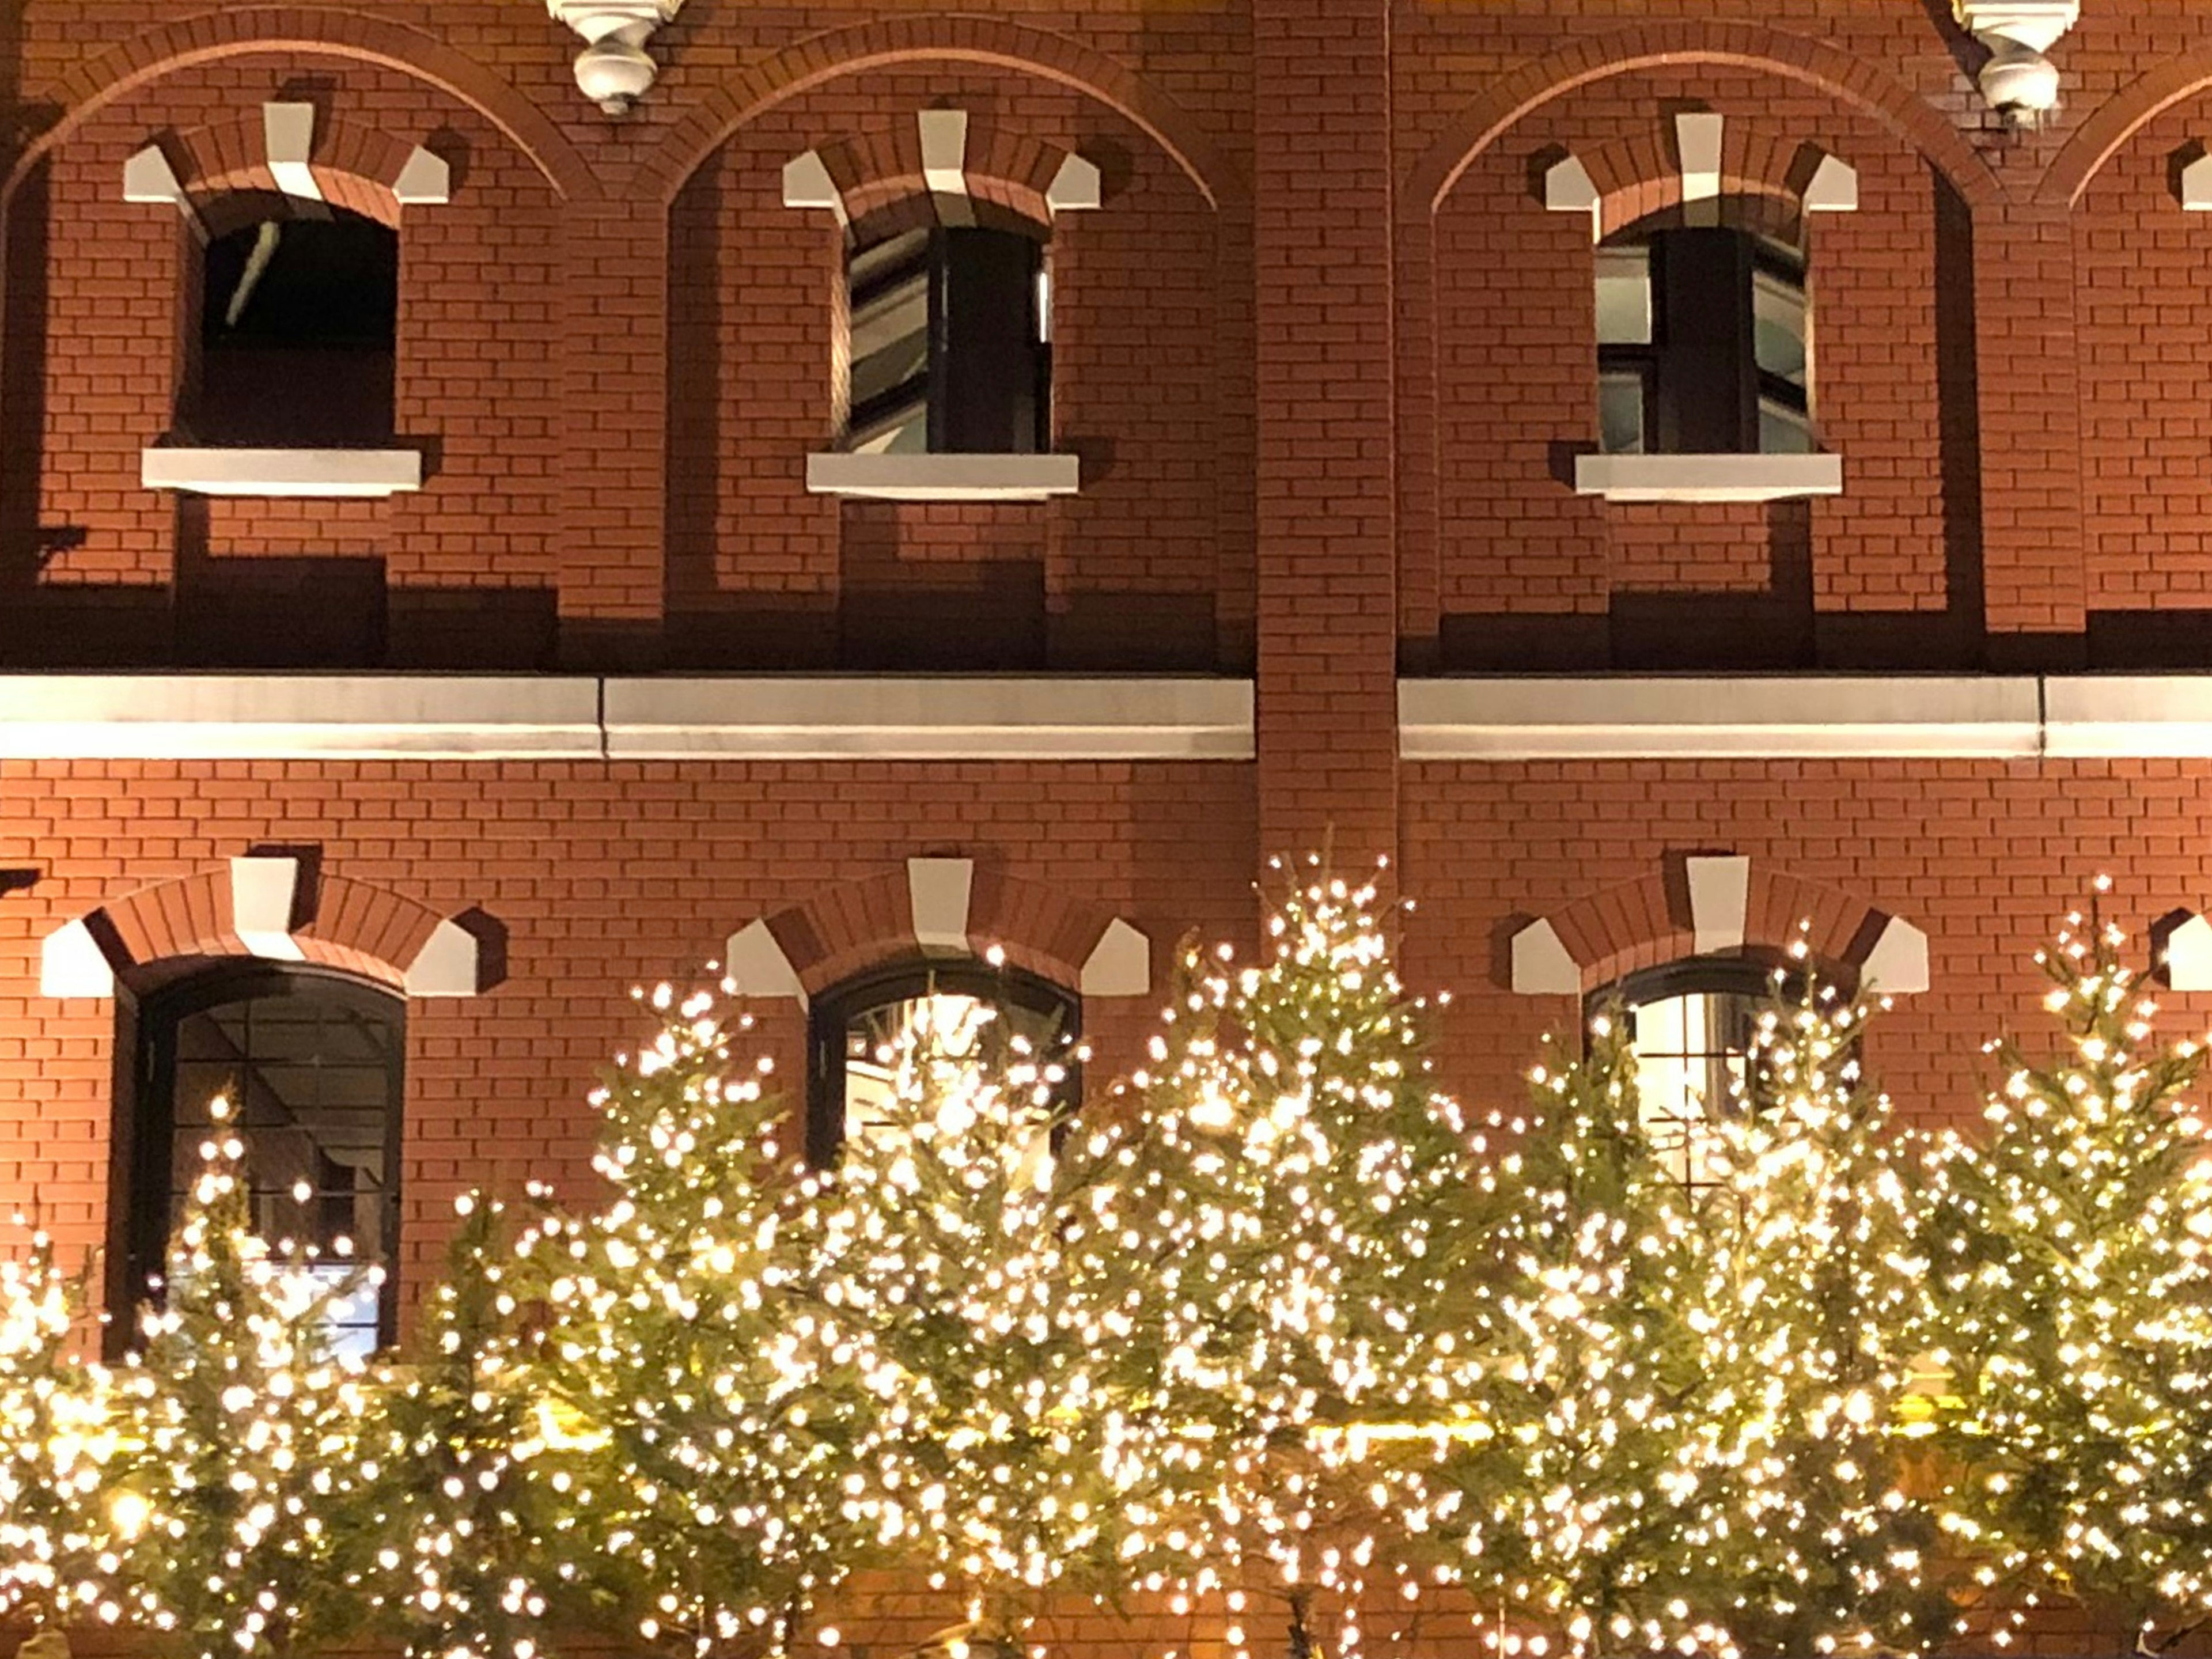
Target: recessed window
(993, 1014)
(1690, 1027)
(1704, 343)
(312, 1064)
(297, 326)
(951, 348)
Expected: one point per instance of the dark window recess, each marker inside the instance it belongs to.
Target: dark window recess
(312, 1065)
(298, 319)
(951, 346)
(855, 1030)
(1704, 345)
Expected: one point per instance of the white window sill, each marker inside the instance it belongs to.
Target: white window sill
(270, 472)
(1708, 477)
(944, 477)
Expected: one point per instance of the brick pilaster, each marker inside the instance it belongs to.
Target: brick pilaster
(1327, 506)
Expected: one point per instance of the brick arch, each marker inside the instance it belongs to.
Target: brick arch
(230, 32)
(1761, 182)
(891, 42)
(880, 166)
(2117, 120)
(266, 907)
(1673, 913)
(356, 167)
(810, 947)
(1849, 79)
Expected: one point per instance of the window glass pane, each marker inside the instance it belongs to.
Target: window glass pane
(1691, 1069)
(1621, 413)
(960, 1025)
(1624, 296)
(1782, 430)
(1778, 327)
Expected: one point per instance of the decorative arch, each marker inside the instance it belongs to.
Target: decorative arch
(944, 152)
(948, 907)
(273, 908)
(889, 42)
(212, 36)
(2117, 120)
(1729, 168)
(1708, 903)
(1851, 80)
(357, 168)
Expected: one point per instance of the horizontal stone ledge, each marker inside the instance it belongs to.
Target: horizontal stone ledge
(1666, 717)
(567, 717)
(804, 717)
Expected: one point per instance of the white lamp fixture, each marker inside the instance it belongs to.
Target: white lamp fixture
(2020, 82)
(614, 70)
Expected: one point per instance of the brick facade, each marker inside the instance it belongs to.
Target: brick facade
(1327, 361)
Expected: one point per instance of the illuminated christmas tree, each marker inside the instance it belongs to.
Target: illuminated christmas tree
(1276, 1231)
(466, 1537)
(687, 1360)
(2076, 1291)
(1803, 1532)
(244, 1425)
(55, 1445)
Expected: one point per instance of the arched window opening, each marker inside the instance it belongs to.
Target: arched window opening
(950, 345)
(1704, 341)
(969, 1007)
(1690, 1030)
(312, 1065)
(297, 329)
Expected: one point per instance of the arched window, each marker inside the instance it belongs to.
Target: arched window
(1690, 1025)
(950, 345)
(1705, 341)
(312, 1062)
(297, 328)
(856, 1030)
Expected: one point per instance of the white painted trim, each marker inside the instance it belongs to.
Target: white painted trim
(1698, 145)
(2035, 24)
(943, 150)
(1898, 965)
(264, 891)
(2197, 186)
(755, 965)
(1708, 477)
(315, 473)
(1541, 963)
(2186, 950)
(1691, 717)
(282, 716)
(1720, 902)
(938, 892)
(1568, 188)
(2123, 716)
(72, 964)
(807, 184)
(289, 133)
(1118, 965)
(944, 477)
(1833, 188)
(148, 178)
(427, 181)
(806, 717)
(449, 964)
(1076, 186)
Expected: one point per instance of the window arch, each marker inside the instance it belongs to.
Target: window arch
(1689, 1029)
(854, 1026)
(949, 345)
(312, 1062)
(1705, 332)
(295, 342)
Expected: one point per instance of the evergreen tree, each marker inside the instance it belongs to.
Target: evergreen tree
(720, 1401)
(55, 1445)
(465, 1535)
(1273, 1232)
(2076, 1295)
(243, 1423)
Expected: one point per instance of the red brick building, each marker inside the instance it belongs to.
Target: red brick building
(900, 483)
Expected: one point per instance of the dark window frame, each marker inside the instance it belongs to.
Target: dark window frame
(1681, 387)
(953, 411)
(830, 1018)
(143, 1207)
